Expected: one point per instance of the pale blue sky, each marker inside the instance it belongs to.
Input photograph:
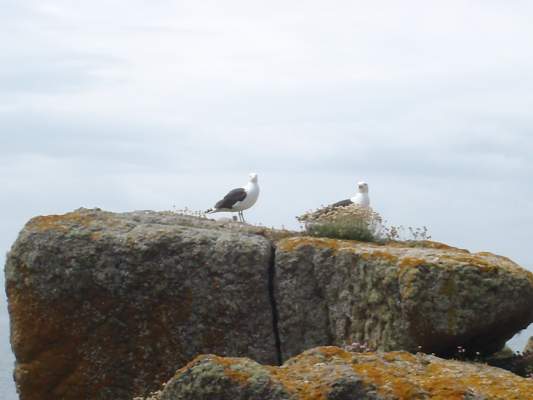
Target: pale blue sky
(150, 104)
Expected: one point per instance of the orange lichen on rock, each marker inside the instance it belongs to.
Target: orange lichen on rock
(401, 374)
(106, 305)
(324, 372)
(411, 262)
(59, 222)
(436, 287)
(45, 356)
(421, 244)
(305, 377)
(486, 262)
(468, 259)
(295, 243)
(233, 369)
(430, 244)
(408, 254)
(379, 255)
(366, 250)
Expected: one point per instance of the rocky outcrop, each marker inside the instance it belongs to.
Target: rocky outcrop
(529, 346)
(330, 373)
(108, 306)
(104, 306)
(412, 296)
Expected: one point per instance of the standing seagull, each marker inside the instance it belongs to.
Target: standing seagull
(360, 198)
(239, 199)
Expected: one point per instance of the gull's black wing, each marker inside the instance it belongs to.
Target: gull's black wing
(231, 198)
(342, 203)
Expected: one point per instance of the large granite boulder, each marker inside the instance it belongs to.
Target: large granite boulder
(412, 296)
(330, 373)
(108, 306)
(105, 306)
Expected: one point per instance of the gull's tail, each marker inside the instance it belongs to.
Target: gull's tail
(210, 211)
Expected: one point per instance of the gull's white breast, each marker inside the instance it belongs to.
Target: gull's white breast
(252, 194)
(361, 199)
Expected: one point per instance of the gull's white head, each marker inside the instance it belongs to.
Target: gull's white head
(253, 177)
(362, 187)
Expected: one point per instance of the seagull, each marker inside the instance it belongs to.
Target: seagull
(238, 200)
(360, 198)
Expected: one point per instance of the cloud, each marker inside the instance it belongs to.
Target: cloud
(43, 73)
(165, 103)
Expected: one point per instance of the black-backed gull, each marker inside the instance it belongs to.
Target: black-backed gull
(360, 197)
(238, 200)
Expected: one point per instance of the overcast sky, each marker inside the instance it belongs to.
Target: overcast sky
(150, 104)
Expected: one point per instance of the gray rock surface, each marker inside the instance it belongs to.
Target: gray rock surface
(105, 306)
(430, 297)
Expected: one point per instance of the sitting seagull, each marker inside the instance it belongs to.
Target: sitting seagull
(360, 198)
(238, 200)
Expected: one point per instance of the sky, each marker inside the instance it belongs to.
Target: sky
(162, 104)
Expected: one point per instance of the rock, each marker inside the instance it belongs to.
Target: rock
(411, 296)
(527, 359)
(529, 346)
(330, 373)
(506, 352)
(107, 306)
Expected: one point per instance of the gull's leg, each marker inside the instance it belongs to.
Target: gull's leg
(242, 214)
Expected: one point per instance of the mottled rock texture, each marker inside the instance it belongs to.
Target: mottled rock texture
(330, 373)
(108, 306)
(105, 306)
(412, 296)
